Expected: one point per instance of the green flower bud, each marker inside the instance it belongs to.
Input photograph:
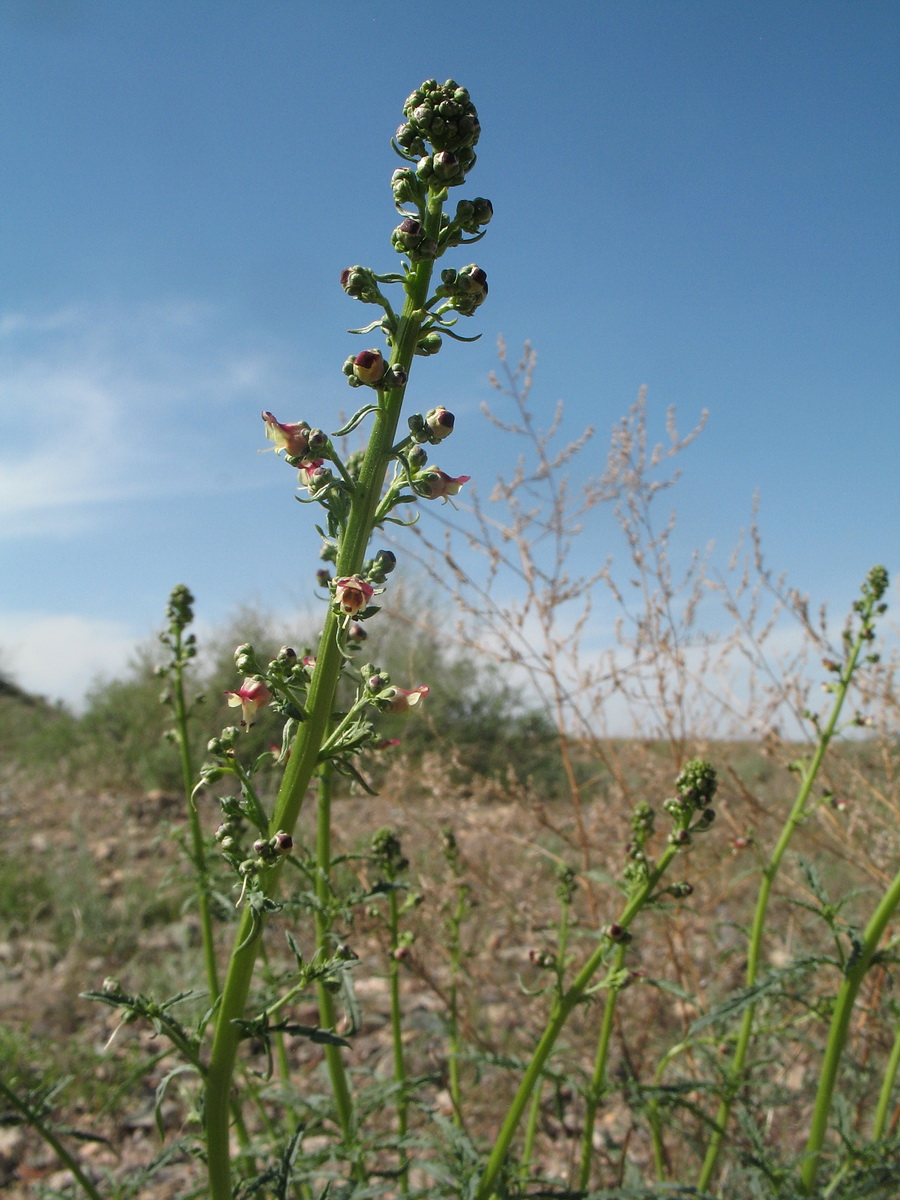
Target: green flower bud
(406, 187)
(378, 568)
(429, 343)
(417, 458)
(409, 140)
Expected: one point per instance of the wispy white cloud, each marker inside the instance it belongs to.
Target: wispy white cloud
(98, 406)
(59, 656)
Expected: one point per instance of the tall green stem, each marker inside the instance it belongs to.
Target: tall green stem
(854, 974)
(397, 1039)
(327, 1015)
(598, 1079)
(879, 1120)
(312, 732)
(198, 849)
(770, 871)
(559, 1014)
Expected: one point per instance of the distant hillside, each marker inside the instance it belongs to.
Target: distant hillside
(12, 691)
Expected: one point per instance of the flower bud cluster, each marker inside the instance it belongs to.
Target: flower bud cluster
(410, 238)
(637, 868)
(387, 852)
(408, 188)
(270, 850)
(465, 290)
(362, 284)
(377, 569)
(471, 216)
(443, 115)
(180, 610)
(690, 810)
(289, 675)
(436, 425)
(444, 168)
(542, 959)
(566, 883)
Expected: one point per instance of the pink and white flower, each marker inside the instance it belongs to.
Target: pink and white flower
(251, 696)
(352, 594)
(292, 437)
(401, 701)
(434, 484)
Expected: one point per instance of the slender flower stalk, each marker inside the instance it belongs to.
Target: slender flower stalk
(598, 1078)
(397, 951)
(867, 607)
(455, 951)
(180, 613)
(879, 1119)
(343, 1097)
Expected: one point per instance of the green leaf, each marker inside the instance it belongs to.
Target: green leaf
(354, 421)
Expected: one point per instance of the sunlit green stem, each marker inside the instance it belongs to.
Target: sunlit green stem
(340, 1087)
(854, 974)
(198, 849)
(312, 732)
(397, 1038)
(598, 1079)
(531, 1125)
(795, 818)
(455, 948)
(559, 1014)
(887, 1086)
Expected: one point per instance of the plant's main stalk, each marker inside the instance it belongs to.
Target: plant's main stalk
(438, 137)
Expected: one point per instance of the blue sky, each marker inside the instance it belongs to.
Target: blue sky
(698, 196)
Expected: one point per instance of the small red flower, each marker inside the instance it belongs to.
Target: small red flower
(307, 473)
(250, 696)
(402, 701)
(434, 484)
(292, 438)
(352, 594)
